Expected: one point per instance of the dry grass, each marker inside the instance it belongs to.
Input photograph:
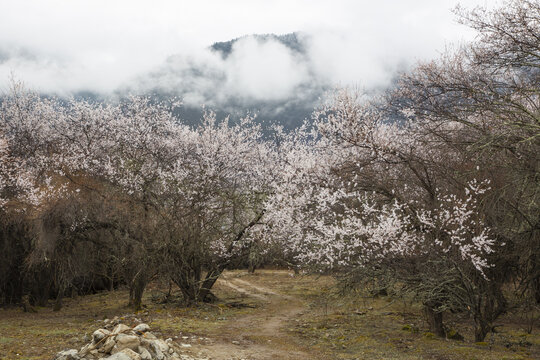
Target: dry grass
(329, 325)
(353, 326)
(41, 335)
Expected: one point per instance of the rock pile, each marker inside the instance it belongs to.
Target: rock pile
(124, 343)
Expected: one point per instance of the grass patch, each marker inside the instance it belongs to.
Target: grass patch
(331, 325)
(350, 326)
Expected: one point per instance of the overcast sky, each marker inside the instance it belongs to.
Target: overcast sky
(101, 45)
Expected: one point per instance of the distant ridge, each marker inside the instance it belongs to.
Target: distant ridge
(292, 40)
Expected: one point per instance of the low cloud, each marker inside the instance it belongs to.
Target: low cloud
(129, 46)
(256, 70)
(263, 70)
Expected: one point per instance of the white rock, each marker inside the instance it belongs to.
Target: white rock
(149, 336)
(124, 341)
(108, 346)
(86, 349)
(118, 356)
(154, 346)
(141, 328)
(120, 328)
(71, 354)
(132, 354)
(99, 335)
(145, 354)
(163, 346)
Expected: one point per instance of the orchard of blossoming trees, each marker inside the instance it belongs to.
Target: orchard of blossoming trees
(430, 191)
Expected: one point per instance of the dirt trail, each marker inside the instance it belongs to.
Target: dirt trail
(258, 336)
(243, 290)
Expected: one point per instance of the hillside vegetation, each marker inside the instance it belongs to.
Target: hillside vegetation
(427, 196)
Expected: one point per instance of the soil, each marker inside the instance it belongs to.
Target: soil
(258, 336)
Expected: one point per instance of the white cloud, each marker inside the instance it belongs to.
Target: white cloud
(63, 46)
(263, 70)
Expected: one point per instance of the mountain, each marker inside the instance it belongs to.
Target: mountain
(294, 41)
(277, 77)
(247, 82)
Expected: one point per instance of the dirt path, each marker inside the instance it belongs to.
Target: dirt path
(258, 336)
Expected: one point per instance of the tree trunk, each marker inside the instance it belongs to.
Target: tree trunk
(136, 291)
(194, 290)
(211, 277)
(58, 303)
(481, 329)
(251, 268)
(490, 305)
(41, 295)
(435, 321)
(536, 289)
(189, 279)
(26, 305)
(187, 286)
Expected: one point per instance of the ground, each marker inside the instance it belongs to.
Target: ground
(271, 314)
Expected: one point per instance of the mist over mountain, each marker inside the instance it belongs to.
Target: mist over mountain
(217, 56)
(293, 41)
(269, 75)
(278, 78)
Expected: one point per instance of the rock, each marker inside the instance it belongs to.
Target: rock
(71, 354)
(163, 346)
(124, 341)
(156, 349)
(118, 356)
(99, 335)
(108, 346)
(132, 354)
(141, 328)
(86, 349)
(149, 336)
(120, 328)
(145, 355)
